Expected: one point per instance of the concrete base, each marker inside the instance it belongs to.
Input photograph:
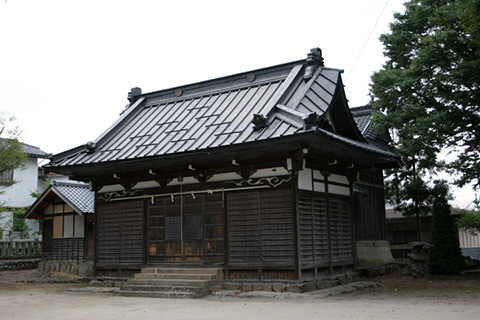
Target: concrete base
(372, 253)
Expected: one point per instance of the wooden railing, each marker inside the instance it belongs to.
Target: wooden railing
(20, 249)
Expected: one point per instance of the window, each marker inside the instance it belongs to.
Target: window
(6, 177)
(69, 226)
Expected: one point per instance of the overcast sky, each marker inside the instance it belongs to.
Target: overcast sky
(66, 66)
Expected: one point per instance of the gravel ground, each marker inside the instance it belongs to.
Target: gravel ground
(399, 297)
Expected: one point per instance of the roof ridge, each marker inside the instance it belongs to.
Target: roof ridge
(361, 108)
(217, 91)
(222, 78)
(70, 184)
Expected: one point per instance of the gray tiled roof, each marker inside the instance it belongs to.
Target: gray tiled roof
(34, 152)
(363, 119)
(362, 116)
(216, 113)
(77, 195)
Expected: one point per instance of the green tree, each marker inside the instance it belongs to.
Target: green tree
(12, 155)
(470, 220)
(427, 94)
(19, 224)
(445, 254)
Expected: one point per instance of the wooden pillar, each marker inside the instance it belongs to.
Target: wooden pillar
(298, 258)
(326, 174)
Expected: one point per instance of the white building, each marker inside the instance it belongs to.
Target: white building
(19, 194)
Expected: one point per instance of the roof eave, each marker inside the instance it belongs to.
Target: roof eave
(313, 139)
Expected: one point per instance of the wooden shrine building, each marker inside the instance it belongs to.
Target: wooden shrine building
(264, 174)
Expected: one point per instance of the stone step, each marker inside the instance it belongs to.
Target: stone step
(212, 271)
(173, 282)
(170, 282)
(159, 288)
(183, 276)
(158, 294)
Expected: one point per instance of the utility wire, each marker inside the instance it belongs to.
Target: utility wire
(366, 41)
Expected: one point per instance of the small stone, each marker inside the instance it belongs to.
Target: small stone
(85, 269)
(231, 286)
(262, 286)
(247, 287)
(278, 287)
(293, 288)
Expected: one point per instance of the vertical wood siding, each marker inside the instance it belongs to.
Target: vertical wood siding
(120, 228)
(261, 228)
(341, 230)
(369, 206)
(325, 232)
(67, 249)
(313, 230)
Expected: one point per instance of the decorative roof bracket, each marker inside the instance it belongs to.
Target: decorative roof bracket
(312, 120)
(134, 94)
(259, 121)
(314, 60)
(90, 147)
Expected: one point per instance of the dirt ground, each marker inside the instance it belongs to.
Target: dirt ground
(399, 297)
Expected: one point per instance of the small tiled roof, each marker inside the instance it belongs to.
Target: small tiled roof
(34, 152)
(77, 195)
(362, 116)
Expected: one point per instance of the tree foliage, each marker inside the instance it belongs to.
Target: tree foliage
(470, 220)
(445, 254)
(427, 95)
(12, 155)
(428, 91)
(19, 224)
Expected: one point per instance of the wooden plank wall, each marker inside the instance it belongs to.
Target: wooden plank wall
(369, 206)
(61, 248)
(313, 230)
(341, 230)
(120, 238)
(67, 249)
(261, 229)
(325, 231)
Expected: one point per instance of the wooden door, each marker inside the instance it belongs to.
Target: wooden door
(187, 228)
(47, 238)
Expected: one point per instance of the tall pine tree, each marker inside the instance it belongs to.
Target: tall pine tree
(445, 254)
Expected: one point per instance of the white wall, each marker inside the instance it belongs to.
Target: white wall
(5, 223)
(467, 239)
(18, 194)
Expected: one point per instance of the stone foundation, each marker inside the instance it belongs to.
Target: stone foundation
(290, 286)
(20, 264)
(79, 268)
